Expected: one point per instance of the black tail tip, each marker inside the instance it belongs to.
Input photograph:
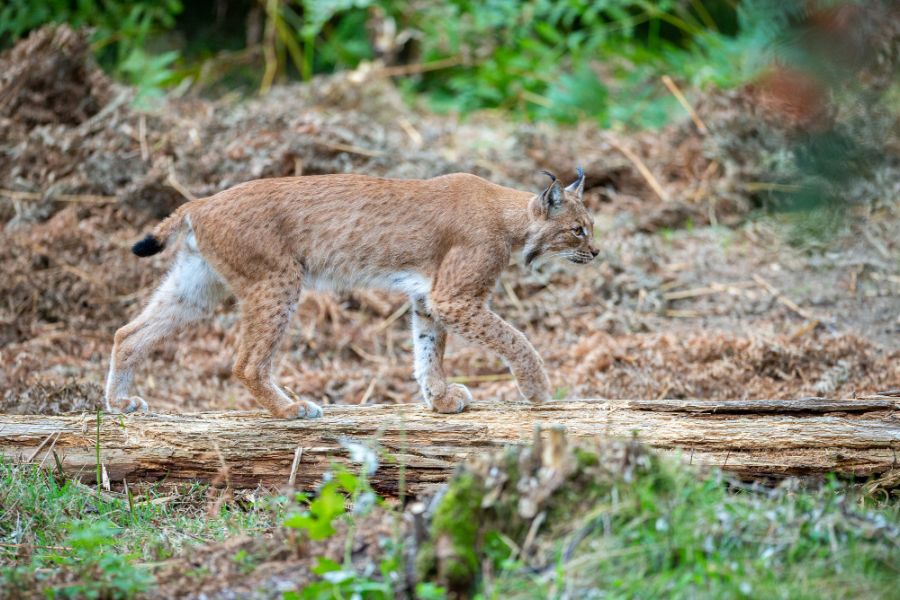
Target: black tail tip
(147, 246)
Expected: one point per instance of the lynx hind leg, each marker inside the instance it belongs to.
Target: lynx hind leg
(189, 292)
(429, 341)
(266, 311)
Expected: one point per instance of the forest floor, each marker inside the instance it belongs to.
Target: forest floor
(697, 294)
(699, 291)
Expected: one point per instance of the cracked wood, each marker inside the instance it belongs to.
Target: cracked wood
(761, 438)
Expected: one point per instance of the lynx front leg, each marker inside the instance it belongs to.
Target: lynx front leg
(429, 339)
(470, 317)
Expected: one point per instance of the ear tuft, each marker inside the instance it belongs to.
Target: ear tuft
(577, 186)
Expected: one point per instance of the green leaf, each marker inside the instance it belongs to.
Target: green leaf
(299, 521)
(549, 33)
(430, 591)
(347, 480)
(325, 565)
(329, 504)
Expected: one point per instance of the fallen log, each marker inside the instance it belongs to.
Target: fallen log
(768, 438)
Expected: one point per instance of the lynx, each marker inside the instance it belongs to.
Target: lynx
(442, 241)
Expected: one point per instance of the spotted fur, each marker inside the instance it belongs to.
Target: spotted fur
(442, 241)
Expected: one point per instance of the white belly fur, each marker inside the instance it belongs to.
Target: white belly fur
(407, 282)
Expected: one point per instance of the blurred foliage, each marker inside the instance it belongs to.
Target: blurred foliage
(563, 60)
(560, 60)
(292, 23)
(121, 31)
(573, 59)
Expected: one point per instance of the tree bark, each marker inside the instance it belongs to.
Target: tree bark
(760, 438)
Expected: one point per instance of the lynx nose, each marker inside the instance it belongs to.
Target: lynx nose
(594, 253)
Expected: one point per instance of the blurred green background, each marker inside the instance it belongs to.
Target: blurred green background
(823, 71)
(565, 61)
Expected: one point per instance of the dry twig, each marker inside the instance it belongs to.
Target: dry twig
(780, 297)
(142, 136)
(649, 177)
(298, 454)
(435, 65)
(349, 148)
(392, 317)
(35, 196)
(701, 126)
(178, 187)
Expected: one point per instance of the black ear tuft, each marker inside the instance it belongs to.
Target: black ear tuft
(577, 186)
(147, 246)
(549, 174)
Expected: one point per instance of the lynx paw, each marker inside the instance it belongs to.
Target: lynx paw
(537, 392)
(539, 397)
(127, 405)
(455, 399)
(301, 409)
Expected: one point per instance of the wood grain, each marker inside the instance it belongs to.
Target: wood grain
(759, 438)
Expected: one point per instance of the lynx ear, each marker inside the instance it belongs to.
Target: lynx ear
(577, 186)
(552, 197)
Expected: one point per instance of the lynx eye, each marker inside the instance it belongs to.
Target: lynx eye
(578, 231)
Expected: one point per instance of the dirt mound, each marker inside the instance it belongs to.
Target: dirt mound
(49, 398)
(65, 273)
(50, 77)
(722, 366)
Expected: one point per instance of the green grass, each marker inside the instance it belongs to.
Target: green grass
(656, 529)
(61, 537)
(668, 534)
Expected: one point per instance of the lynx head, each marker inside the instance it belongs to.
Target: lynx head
(560, 224)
